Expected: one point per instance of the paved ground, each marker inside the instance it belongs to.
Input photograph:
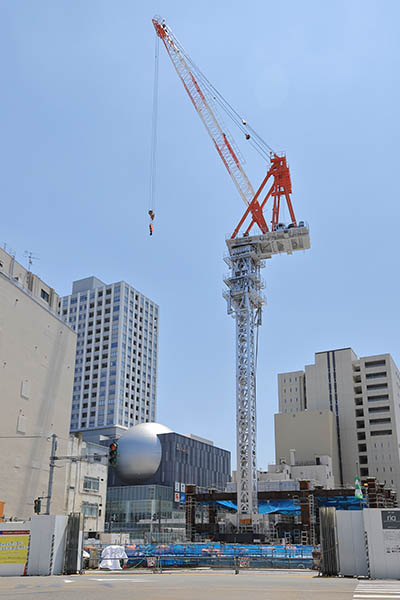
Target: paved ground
(189, 585)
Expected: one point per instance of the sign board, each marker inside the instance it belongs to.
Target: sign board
(14, 547)
(183, 488)
(390, 519)
(177, 497)
(182, 498)
(391, 531)
(177, 486)
(151, 561)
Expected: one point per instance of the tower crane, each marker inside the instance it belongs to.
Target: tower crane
(246, 253)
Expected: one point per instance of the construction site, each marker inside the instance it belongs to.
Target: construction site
(285, 517)
(248, 514)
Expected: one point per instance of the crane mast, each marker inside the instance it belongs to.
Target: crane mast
(246, 257)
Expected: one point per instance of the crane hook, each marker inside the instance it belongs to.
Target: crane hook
(151, 226)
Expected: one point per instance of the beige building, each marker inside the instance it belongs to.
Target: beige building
(363, 397)
(311, 433)
(86, 482)
(37, 356)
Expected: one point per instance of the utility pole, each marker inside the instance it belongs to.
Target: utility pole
(52, 464)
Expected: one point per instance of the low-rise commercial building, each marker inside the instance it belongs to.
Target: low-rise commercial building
(86, 482)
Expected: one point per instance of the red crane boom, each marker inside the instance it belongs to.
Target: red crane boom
(202, 95)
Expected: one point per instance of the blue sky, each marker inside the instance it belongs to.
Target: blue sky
(319, 80)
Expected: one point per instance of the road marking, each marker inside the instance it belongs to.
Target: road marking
(68, 580)
(377, 589)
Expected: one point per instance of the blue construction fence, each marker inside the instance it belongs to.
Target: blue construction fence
(219, 555)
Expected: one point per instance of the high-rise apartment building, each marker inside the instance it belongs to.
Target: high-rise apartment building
(363, 396)
(115, 381)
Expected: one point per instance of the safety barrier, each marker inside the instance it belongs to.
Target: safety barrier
(215, 556)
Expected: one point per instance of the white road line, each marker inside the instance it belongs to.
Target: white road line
(379, 584)
(68, 580)
(378, 587)
(382, 595)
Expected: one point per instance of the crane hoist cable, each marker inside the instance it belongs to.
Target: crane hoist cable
(153, 151)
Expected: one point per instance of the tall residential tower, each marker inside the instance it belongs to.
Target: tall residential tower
(115, 382)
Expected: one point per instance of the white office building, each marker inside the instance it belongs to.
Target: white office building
(115, 381)
(362, 395)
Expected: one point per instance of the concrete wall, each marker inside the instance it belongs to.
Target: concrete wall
(311, 433)
(37, 355)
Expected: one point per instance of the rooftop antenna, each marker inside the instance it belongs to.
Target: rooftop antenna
(30, 256)
(9, 250)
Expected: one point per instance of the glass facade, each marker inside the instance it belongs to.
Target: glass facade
(189, 461)
(132, 508)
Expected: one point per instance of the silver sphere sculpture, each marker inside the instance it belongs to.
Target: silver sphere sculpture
(140, 452)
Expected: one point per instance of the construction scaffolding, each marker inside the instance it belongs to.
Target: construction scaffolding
(301, 528)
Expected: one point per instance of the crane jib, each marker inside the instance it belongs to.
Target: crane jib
(203, 97)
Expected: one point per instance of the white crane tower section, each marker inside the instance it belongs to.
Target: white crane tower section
(244, 303)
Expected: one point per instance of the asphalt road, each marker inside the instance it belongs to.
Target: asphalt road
(187, 585)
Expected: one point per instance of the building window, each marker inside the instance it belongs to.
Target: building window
(44, 295)
(375, 363)
(377, 398)
(376, 375)
(89, 509)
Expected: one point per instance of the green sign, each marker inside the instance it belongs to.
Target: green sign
(357, 491)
